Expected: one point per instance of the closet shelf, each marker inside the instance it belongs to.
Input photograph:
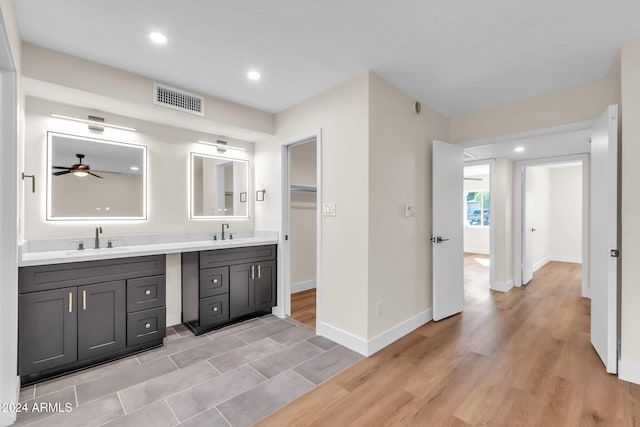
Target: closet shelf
(303, 188)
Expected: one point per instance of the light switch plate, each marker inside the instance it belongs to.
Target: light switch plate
(410, 210)
(329, 209)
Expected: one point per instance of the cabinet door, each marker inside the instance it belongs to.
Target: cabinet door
(47, 328)
(265, 286)
(101, 319)
(241, 292)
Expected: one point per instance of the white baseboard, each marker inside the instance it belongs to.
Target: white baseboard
(629, 372)
(538, 265)
(476, 251)
(303, 286)
(571, 259)
(367, 348)
(503, 287)
(393, 334)
(343, 338)
(174, 319)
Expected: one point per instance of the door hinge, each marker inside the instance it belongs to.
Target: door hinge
(615, 253)
(286, 237)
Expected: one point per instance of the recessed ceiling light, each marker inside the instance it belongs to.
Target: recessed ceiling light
(518, 149)
(134, 168)
(253, 75)
(158, 37)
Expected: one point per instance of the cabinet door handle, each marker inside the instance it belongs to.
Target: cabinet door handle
(258, 271)
(253, 272)
(70, 302)
(147, 325)
(84, 300)
(215, 280)
(147, 292)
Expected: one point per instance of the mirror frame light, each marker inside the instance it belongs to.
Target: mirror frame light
(192, 155)
(49, 165)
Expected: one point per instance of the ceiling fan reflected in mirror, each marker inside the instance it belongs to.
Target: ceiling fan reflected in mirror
(79, 169)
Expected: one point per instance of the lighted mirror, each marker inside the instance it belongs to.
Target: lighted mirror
(92, 178)
(219, 187)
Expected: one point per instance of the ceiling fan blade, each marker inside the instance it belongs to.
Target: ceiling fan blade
(93, 174)
(60, 167)
(62, 172)
(115, 173)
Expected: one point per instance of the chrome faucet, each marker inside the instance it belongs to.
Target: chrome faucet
(98, 231)
(223, 229)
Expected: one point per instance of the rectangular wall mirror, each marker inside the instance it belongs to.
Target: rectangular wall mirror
(219, 187)
(90, 178)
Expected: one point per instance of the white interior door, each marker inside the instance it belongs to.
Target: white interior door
(603, 230)
(528, 229)
(448, 250)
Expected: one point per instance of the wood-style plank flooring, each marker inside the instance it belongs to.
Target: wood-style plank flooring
(510, 359)
(303, 307)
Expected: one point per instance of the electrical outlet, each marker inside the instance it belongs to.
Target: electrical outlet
(379, 309)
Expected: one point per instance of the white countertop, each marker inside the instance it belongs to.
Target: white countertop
(66, 255)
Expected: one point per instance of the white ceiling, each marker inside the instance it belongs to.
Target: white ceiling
(455, 56)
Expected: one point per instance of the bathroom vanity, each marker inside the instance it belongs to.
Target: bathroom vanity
(78, 308)
(227, 285)
(74, 315)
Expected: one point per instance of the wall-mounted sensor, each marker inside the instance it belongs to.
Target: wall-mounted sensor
(417, 107)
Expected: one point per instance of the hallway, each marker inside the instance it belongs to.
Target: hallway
(518, 358)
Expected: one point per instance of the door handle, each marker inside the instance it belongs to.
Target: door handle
(259, 271)
(438, 239)
(84, 300)
(70, 302)
(253, 272)
(533, 229)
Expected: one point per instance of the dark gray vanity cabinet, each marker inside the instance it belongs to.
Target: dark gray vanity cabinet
(102, 323)
(226, 285)
(252, 288)
(78, 314)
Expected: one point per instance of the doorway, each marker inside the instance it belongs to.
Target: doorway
(301, 226)
(477, 234)
(552, 215)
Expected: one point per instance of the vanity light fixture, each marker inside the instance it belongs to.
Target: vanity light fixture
(95, 123)
(518, 149)
(222, 145)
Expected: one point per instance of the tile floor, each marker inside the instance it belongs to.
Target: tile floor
(233, 376)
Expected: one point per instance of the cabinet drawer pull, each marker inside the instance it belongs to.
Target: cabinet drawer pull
(258, 271)
(215, 280)
(147, 325)
(215, 308)
(70, 302)
(147, 292)
(253, 272)
(84, 300)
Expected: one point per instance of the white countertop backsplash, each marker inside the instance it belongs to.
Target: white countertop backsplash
(55, 251)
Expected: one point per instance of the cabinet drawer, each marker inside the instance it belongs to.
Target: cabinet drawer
(214, 310)
(222, 257)
(214, 281)
(146, 326)
(145, 293)
(55, 276)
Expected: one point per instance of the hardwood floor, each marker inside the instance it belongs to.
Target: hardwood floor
(518, 358)
(303, 307)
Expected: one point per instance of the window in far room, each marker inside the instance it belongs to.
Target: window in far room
(476, 208)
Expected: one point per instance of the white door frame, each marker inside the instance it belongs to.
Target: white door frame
(492, 228)
(285, 287)
(520, 168)
(9, 381)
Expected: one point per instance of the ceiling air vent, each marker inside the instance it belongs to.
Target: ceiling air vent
(178, 99)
